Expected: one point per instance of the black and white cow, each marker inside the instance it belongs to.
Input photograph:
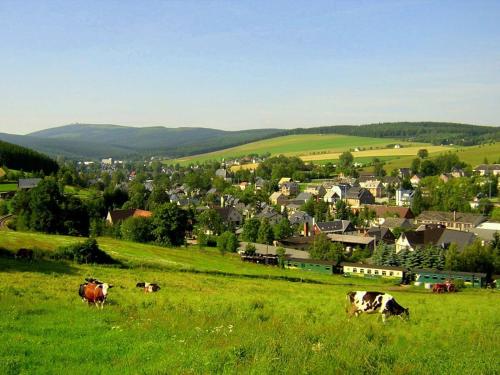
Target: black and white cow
(375, 302)
(148, 287)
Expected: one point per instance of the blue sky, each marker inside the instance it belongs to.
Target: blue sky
(247, 64)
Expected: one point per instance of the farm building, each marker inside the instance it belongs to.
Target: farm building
(352, 242)
(474, 279)
(117, 216)
(372, 271)
(321, 266)
(452, 220)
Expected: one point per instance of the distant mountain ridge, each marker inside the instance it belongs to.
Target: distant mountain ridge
(92, 141)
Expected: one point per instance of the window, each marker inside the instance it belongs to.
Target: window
(368, 271)
(391, 273)
(384, 273)
(435, 277)
(376, 272)
(361, 270)
(354, 270)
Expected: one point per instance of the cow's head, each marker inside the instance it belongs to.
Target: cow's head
(105, 287)
(405, 314)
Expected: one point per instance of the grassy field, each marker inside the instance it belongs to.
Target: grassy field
(9, 186)
(299, 145)
(473, 155)
(204, 322)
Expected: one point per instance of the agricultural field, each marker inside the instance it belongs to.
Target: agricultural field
(472, 155)
(237, 320)
(315, 146)
(8, 186)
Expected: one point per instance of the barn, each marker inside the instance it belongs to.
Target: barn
(373, 271)
(474, 279)
(320, 266)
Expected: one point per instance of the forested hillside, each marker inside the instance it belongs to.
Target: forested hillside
(153, 140)
(17, 157)
(91, 141)
(431, 132)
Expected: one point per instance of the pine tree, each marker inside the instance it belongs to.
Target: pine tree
(452, 258)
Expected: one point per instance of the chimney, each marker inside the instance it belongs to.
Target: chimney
(222, 201)
(454, 216)
(306, 229)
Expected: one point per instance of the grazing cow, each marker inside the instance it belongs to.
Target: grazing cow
(148, 287)
(88, 280)
(373, 302)
(95, 293)
(24, 254)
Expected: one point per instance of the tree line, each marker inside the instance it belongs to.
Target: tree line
(22, 158)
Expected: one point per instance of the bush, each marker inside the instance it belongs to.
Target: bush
(459, 284)
(84, 252)
(227, 242)
(250, 249)
(137, 229)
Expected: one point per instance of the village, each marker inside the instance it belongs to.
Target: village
(351, 221)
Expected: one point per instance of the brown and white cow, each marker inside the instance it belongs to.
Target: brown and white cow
(95, 292)
(148, 287)
(375, 302)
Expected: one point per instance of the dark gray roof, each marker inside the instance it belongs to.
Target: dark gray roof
(334, 226)
(396, 222)
(357, 192)
(458, 217)
(299, 217)
(303, 197)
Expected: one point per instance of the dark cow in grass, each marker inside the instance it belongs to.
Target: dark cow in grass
(148, 287)
(94, 292)
(26, 254)
(375, 302)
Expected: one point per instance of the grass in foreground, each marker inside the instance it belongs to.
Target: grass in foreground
(203, 323)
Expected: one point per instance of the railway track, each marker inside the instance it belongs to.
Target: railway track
(3, 221)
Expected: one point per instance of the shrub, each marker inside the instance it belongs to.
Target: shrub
(250, 249)
(459, 284)
(227, 241)
(138, 229)
(84, 252)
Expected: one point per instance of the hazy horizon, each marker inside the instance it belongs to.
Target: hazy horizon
(232, 66)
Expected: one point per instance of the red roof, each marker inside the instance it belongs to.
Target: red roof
(391, 211)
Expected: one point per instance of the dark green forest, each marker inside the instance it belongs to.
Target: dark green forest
(21, 158)
(429, 132)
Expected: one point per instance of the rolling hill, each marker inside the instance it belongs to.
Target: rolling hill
(311, 147)
(93, 141)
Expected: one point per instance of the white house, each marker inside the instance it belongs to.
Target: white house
(404, 197)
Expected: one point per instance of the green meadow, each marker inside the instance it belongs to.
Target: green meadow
(8, 187)
(304, 144)
(473, 155)
(215, 315)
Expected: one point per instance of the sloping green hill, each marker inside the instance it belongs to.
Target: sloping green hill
(243, 320)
